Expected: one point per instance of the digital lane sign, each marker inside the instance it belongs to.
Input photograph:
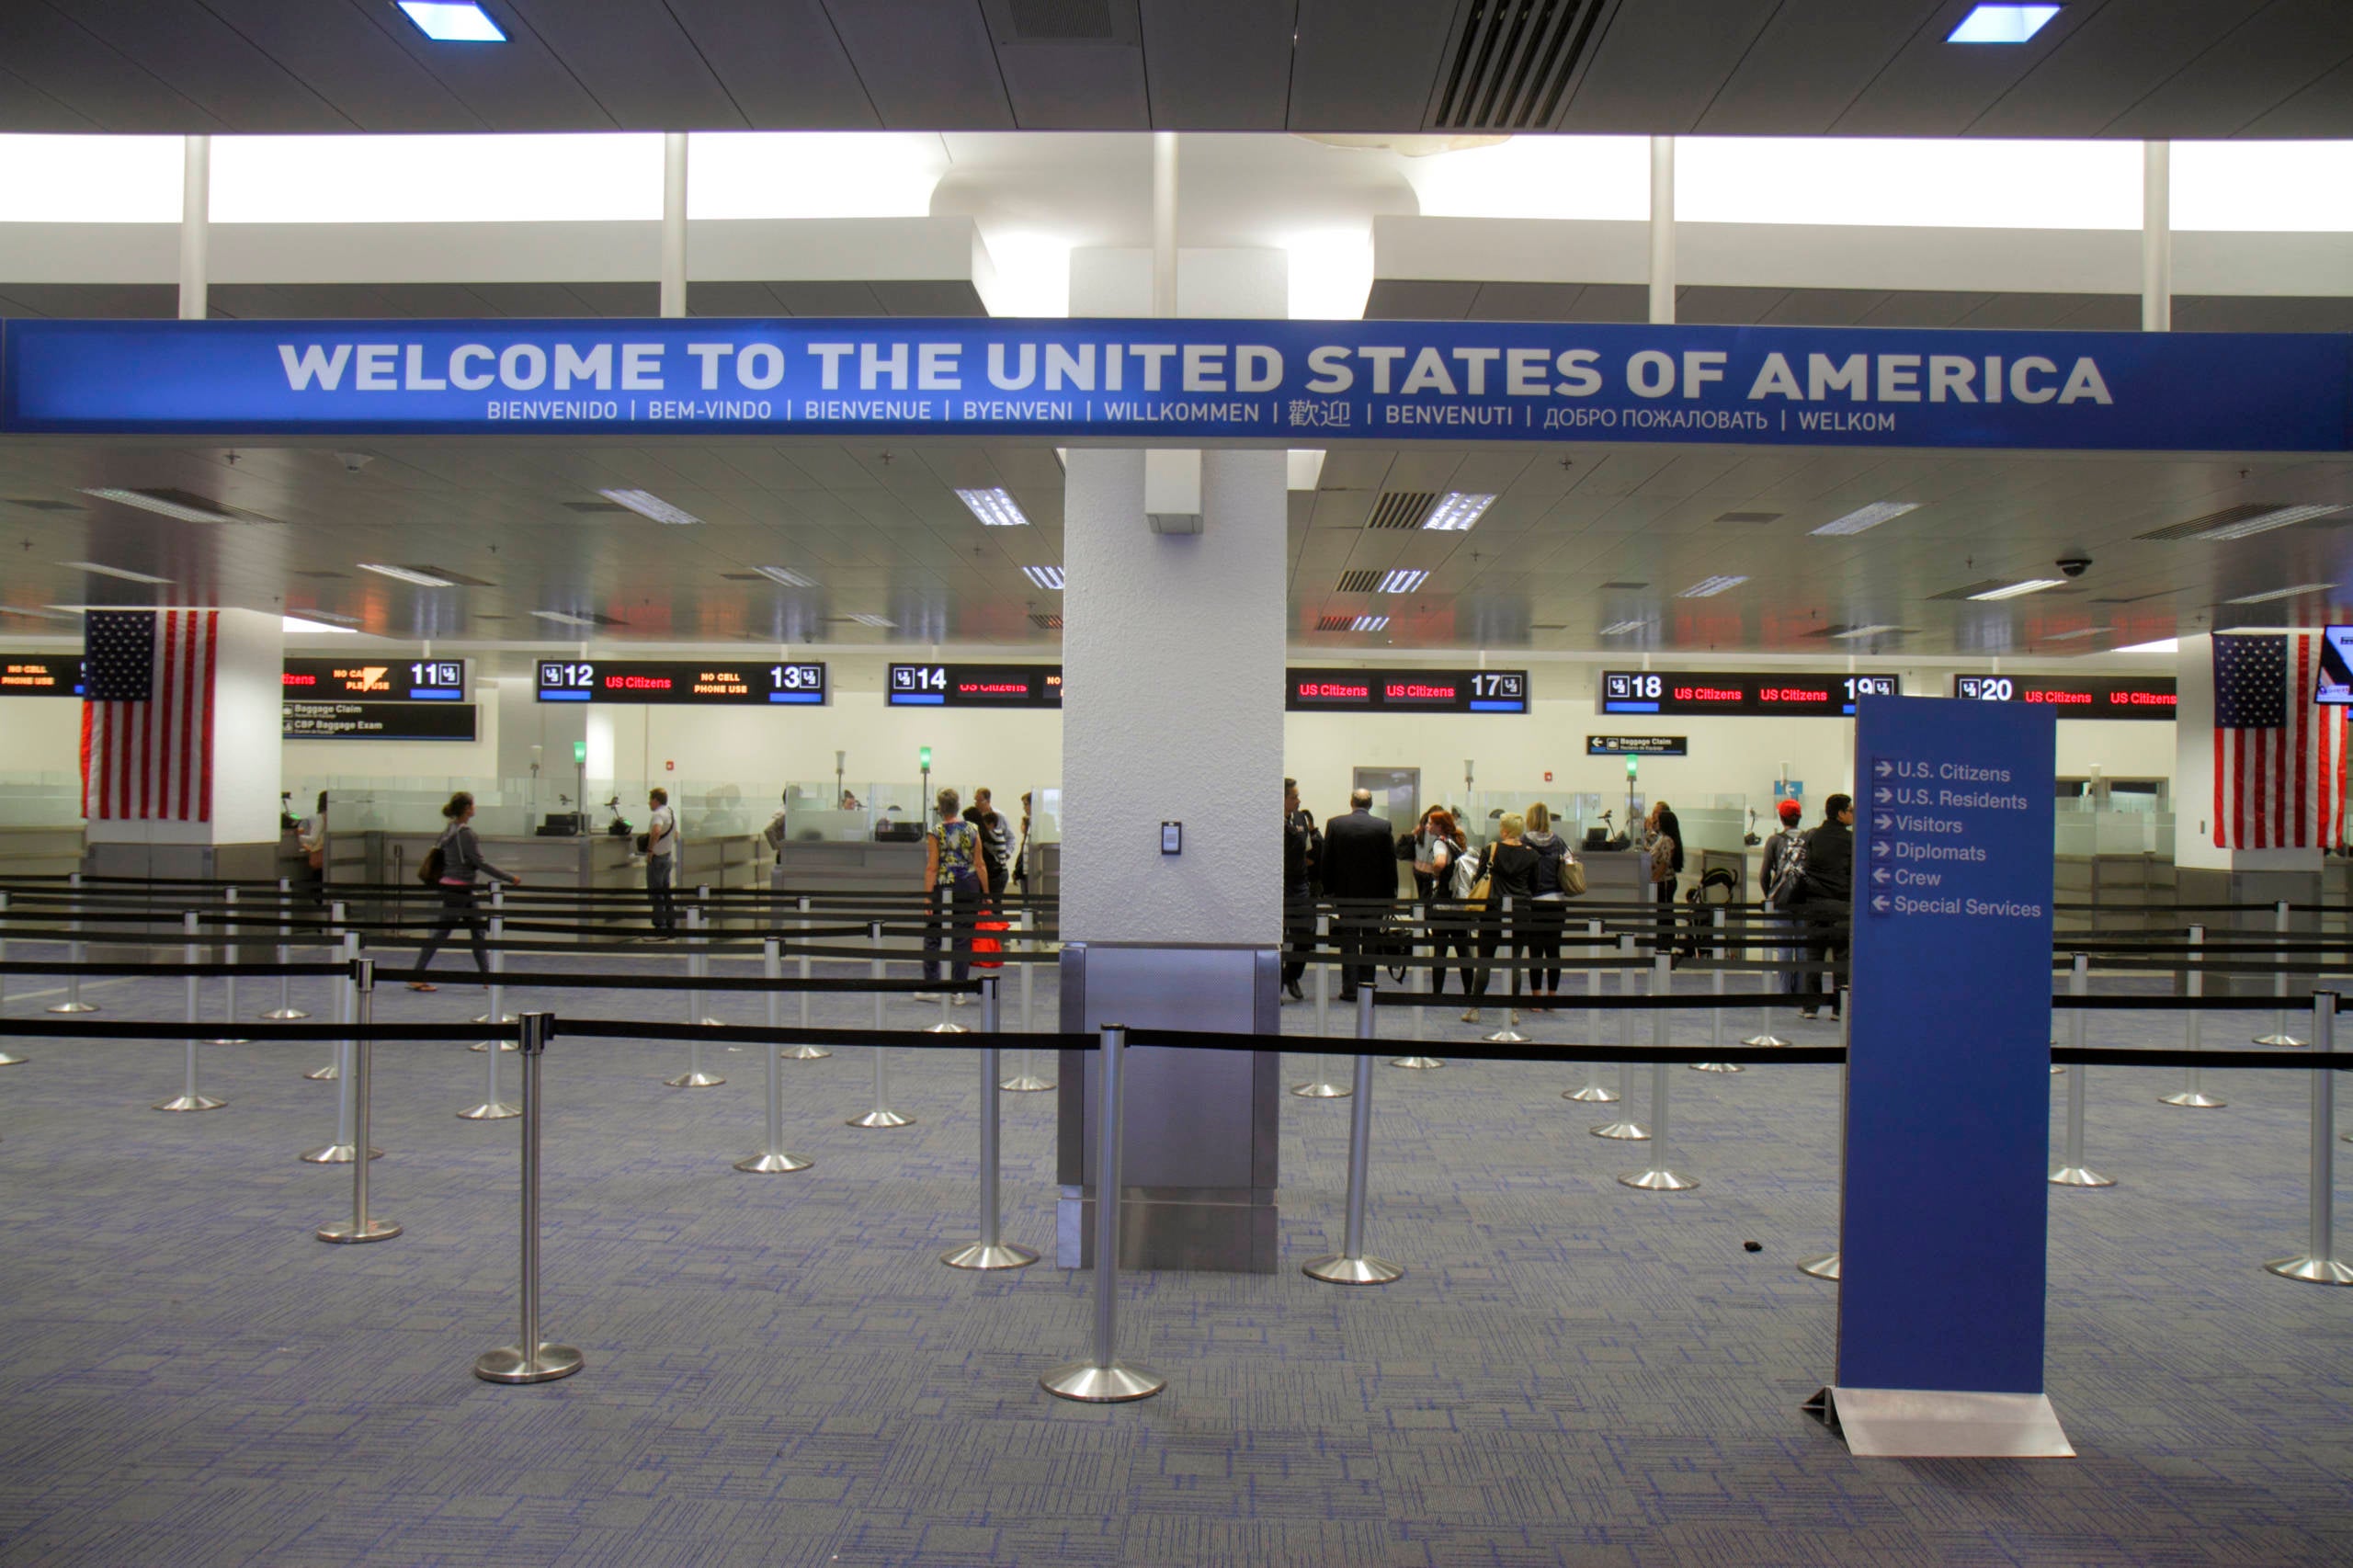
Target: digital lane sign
(40, 675)
(1405, 691)
(393, 680)
(974, 685)
(1749, 693)
(689, 683)
(2077, 696)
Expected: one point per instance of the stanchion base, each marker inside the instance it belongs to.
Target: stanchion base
(695, 1081)
(882, 1117)
(492, 1110)
(482, 1047)
(72, 1007)
(511, 1366)
(945, 1029)
(1630, 1131)
(9, 1059)
(1335, 1269)
(2286, 1040)
(338, 1154)
(345, 1231)
(1718, 1067)
(1505, 1036)
(980, 1254)
(191, 1102)
(773, 1164)
(1822, 1267)
(1657, 1181)
(2192, 1100)
(2079, 1175)
(327, 1074)
(1027, 1084)
(804, 1053)
(1322, 1091)
(2311, 1270)
(1419, 1063)
(504, 1018)
(1090, 1384)
(1765, 1042)
(284, 1015)
(1592, 1094)
(2057, 1071)
(227, 1039)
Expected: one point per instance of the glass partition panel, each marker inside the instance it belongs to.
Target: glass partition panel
(41, 800)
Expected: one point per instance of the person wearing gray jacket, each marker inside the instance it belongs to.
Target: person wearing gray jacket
(461, 862)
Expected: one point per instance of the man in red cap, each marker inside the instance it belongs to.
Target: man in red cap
(1779, 876)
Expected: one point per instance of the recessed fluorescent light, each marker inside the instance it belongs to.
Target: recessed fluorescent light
(1457, 510)
(169, 509)
(1709, 588)
(646, 503)
(2012, 590)
(1370, 623)
(123, 572)
(2081, 631)
(1045, 576)
(883, 622)
(1853, 632)
(296, 623)
(2001, 24)
(1622, 628)
(1869, 516)
(561, 618)
(2161, 645)
(2263, 522)
(2298, 591)
(50, 613)
(994, 506)
(452, 21)
(789, 578)
(1401, 580)
(408, 574)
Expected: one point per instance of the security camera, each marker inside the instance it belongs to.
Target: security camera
(2074, 563)
(354, 462)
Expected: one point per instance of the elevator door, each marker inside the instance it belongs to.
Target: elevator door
(1396, 795)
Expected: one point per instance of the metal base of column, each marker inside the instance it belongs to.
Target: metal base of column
(2057, 1071)
(1419, 1063)
(326, 1074)
(945, 1027)
(72, 1007)
(1822, 1267)
(504, 1018)
(2079, 1175)
(1657, 1181)
(2192, 1100)
(191, 1102)
(1090, 1384)
(9, 1059)
(1768, 1041)
(694, 1081)
(345, 1231)
(336, 1155)
(284, 1015)
(2311, 1270)
(1322, 1090)
(804, 1053)
(2285, 1040)
(1027, 1084)
(1592, 1094)
(480, 1046)
(1507, 1035)
(1718, 1067)
(982, 1254)
(773, 1164)
(883, 1118)
(511, 1366)
(1630, 1132)
(227, 1039)
(490, 1110)
(1335, 1269)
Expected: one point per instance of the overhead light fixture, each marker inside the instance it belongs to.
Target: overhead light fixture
(994, 506)
(1869, 516)
(880, 622)
(2239, 521)
(1856, 631)
(2298, 591)
(2076, 635)
(2013, 590)
(789, 578)
(2263, 522)
(2161, 645)
(1370, 623)
(561, 618)
(646, 503)
(1709, 588)
(202, 511)
(123, 571)
(452, 21)
(334, 614)
(1403, 580)
(1045, 576)
(297, 623)
(408, 574)
(1624, 627)
(46, 613)
(2001, 24)
(1456, 511)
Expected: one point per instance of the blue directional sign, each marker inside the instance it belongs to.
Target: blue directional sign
(1948, 1073)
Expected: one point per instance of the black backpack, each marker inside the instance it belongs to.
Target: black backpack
(1788, 878)
(428, 871)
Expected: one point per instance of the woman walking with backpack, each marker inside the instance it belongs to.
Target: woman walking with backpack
(452, 865)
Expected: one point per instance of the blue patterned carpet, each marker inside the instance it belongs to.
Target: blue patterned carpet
(780, 1372)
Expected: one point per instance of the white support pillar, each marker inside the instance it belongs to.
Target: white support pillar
(2157, 236)
(674, 223)
(1663, 229)
(1163, 224)
(196, 224)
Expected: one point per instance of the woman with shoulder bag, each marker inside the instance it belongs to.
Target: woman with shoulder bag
(1662, 844)
(958, 876)
(1510, 877)
(1551, 913)
(461, 862)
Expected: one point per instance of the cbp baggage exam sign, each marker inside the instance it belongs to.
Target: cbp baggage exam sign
(1278, 382)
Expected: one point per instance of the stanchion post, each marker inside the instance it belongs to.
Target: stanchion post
(346, 1110)
(493, 1109)
(530, 1359)
(2070, 1171)
(1027, 1081)
(773, 1160)
(1716, 1013)
(2279, 1035)
(498, 1013)
(190, 1098)
(285, 1012)
(694, 1077)
(229, 947)
(1349, 1265)
(336, 988)
(1319, 1085)
(2192, 1095)
(1592, 1092)
(1102, 1379)
(7, 1058)
(2318, 1264)
(1826, 1266)
(803, 1052)
(1510, 1034)
(1764, 1039)
(881, 1114)
(1419, 1063)
(362, 1226)
(73, 1003)
(1658, 1177)
(990, 1251)
(1625, 1129)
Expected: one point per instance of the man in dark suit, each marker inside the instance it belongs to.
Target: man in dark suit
(1359, 865)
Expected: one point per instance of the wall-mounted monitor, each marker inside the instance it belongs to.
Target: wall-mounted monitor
(2335, 668)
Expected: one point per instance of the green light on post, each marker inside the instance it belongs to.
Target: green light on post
(923, 755)
(580, 751)
(1630, 766)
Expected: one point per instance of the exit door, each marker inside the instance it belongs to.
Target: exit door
(1396, 795)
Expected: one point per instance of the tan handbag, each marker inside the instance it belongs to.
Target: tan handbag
(1571, 877)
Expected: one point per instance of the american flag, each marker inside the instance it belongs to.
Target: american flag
(2279, 759)
(147, 714)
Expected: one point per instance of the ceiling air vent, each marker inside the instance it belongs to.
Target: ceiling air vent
(1046, 622)
(594, 507)
(1748, 517)
(1358, 582)
(2237, 522)
(320, 575)
(1625, 584)
(1333, 622)
(1516, 62)
(39, 505)
(1402, 509)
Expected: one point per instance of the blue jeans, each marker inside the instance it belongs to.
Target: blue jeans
(658, 871)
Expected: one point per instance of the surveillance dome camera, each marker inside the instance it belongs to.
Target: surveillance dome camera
(354, 462)
(2074, 563)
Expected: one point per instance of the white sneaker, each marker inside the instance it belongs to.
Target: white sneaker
(927, 995)
(1469, 1014)
(961, 999)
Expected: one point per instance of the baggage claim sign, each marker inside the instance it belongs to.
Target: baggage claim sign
(1274, 382)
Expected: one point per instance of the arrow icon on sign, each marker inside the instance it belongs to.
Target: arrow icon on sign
(1883, 795)
(1883, 769)
(1880, 904)
(1879, 850)
(1881, 875)
(1882, 821)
